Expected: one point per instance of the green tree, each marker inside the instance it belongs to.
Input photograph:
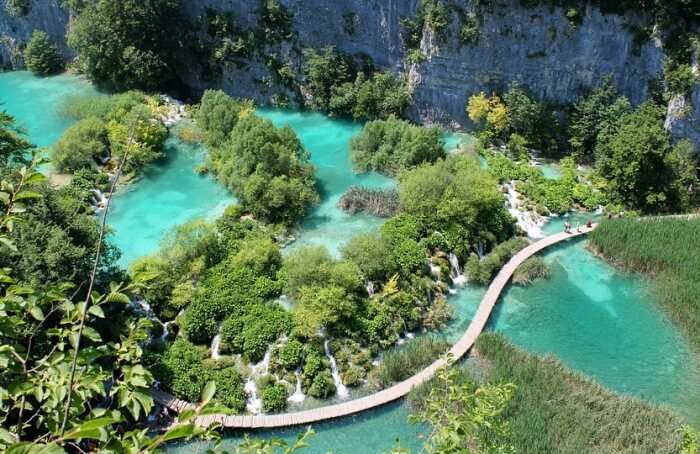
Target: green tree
(268, 169)
(12, 144)
(466, 419)
(318, 308)
(641, 165)
(80, 145)
(41, 55)
(127, 44)
(593, 114)
(390, 146)
(217, 115)
(459, 201)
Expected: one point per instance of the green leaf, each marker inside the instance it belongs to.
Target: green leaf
(7, 437)
(179, 432)
(96, 311)
(90, 429)
(8, 243)
(27, 195)
(208, 392)
(37, 313)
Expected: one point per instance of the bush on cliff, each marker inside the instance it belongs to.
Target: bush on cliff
(41, 55)
(129, 43)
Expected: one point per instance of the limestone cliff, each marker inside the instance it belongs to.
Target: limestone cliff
(45, 15)
(538, 48)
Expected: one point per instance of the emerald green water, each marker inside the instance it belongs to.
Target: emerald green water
(595, 319)
(603, 323)
(35, 102)
(328, 142)
(167, 195)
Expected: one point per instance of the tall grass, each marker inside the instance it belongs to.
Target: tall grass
(401, 363)
(555, 410)
(668, 249)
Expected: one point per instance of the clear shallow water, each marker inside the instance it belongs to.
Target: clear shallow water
(167, 195)
(603, 323)
(35, 102)
(328, 141)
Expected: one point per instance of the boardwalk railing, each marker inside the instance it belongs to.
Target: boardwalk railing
(397, 391)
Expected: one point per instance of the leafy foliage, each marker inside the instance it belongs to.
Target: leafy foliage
(642, 168)
(465, 417)
(458, 201)
(41, 55)
(390, 146)
(81, 145)
(337, 86)
(268, 169)
(128, 44)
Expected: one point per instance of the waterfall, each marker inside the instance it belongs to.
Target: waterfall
(254, 403)
(166, 332)
(298, 396)
(339, 386)
(141, 305)
(215, 346)
(99, 200)
(456, 275)
(370, 288)
(529, 222)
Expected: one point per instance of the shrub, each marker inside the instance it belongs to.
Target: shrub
(382, 203)
(127, 44)
(476, 218)
(81, 144)
(401, 363)
(322, 386)
(482, 271)
(230, 391)
(41, 55)
(292, 354)
(274, 398)
(530, 270)
(268, 170)
(338, 87)
(184, 373)
(313, 266)
(353, 376)
(390, 146)
(218, 114)
(18, 8)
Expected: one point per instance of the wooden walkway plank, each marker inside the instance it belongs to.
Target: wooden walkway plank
(397, 391)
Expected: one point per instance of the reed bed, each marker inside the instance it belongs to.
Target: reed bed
(405, 361)
(666, 249)
(556, 410)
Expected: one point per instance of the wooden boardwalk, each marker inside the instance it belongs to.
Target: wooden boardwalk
(397, 391)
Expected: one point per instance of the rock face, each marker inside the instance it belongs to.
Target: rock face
(536, 47)
(46, 15)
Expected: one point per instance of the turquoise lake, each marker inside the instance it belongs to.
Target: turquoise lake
(597, 320)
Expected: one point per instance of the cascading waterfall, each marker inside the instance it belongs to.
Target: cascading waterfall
(298, 396)
(370, 288)
(99, 200)
(216, 346)
(529, 222)
(456, 275)
(341, 389)
(254, 403)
